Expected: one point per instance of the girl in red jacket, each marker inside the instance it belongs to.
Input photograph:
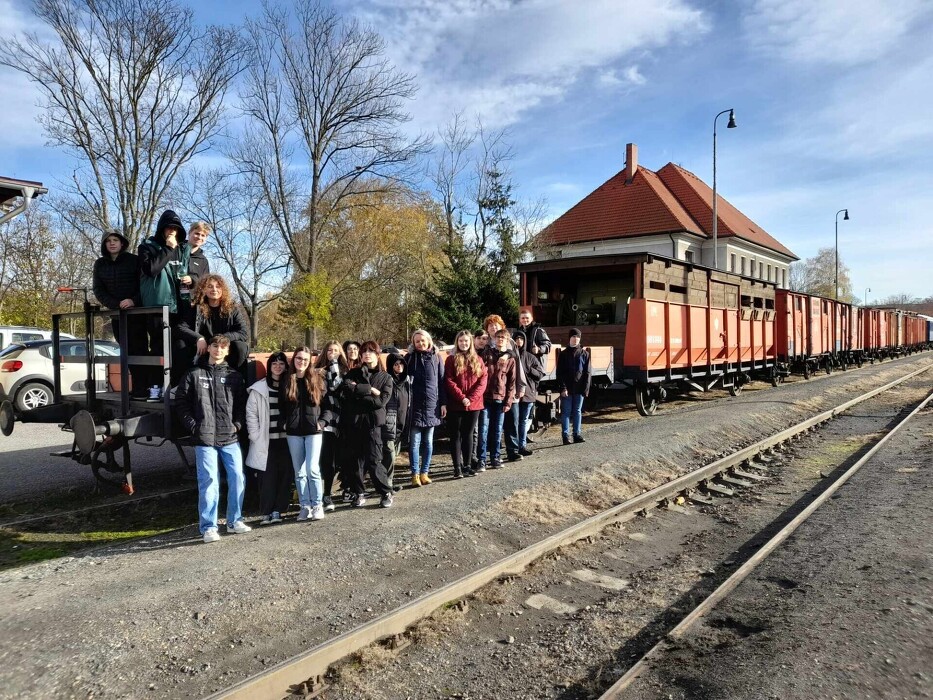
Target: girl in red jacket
(465, 383)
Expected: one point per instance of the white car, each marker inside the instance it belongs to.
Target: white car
(26, 370)
(20, 334)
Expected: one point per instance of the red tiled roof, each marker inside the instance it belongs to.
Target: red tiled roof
(669, 200)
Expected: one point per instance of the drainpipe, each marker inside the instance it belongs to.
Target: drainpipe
(28, 194)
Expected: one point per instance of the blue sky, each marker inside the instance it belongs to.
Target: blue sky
(834, 102)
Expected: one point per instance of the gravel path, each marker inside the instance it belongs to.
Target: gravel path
(172, 618)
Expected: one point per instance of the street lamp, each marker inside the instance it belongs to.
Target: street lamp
(730, 125)
(844, 218)
(867, 290)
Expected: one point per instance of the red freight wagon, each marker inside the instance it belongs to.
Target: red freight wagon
(853, 350)
(812, 332)
(669, 322)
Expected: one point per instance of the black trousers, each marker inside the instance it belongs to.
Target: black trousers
(330, 448)
(275, 491)
(461, 425)
(365, 453)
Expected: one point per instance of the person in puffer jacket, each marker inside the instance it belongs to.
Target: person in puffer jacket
(367, 390)
(332, 365)
(427, 403)
(215, 312)
(211, 401)
(465, 384)
(396, 427)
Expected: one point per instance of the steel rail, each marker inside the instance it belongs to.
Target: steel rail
(273, 682)
(749, 566)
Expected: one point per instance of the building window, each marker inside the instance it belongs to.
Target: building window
(733, 262)
(743, 264)
(783, 277)
(769, 273)
(688, 256)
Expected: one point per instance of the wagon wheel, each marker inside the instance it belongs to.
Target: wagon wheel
(858, 362)
(646, 400)
(736, 388)
(844, 363)
(829, 365)
(109, 473)
(806, 369)
(775, 377)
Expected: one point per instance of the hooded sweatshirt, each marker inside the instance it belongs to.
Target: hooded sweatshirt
(116, 280)
(502, 373)
(161, 266)
(397, 408)
(533, 367)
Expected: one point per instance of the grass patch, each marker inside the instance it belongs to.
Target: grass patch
(57, 537)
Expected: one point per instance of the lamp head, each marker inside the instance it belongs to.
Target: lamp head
(731, 124)
(846, 216)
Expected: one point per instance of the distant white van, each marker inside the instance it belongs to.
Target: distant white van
(17, 334)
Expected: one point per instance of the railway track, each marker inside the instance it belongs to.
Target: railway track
(302, 675)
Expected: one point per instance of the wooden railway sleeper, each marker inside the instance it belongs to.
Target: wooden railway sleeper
(712, 486)
(734, 480)
(748, 475)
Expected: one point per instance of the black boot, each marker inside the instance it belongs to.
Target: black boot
(566, 439)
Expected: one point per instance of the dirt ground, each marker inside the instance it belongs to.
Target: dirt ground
(169, 617)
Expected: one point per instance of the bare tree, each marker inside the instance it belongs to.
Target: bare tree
(244, 235)
(816, 275)
(325, 110)
(134, 90)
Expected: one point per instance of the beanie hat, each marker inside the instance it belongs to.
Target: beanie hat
(575, 332)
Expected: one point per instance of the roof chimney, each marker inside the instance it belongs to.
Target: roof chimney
(631, 162)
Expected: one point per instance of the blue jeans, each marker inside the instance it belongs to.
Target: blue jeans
(421, 462)
(572, 404)
(482, 431)
(524, 411)
(495, 419)
(209, 483)
(306, 461)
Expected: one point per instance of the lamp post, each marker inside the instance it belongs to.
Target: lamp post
(844, 218)
(730, 125)
(867, 290)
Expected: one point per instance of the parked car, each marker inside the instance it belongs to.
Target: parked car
(20, 334)
(26, 371)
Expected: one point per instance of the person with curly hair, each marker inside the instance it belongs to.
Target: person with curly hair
(216, 313)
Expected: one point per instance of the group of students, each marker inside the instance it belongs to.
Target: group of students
(343, 413)
(169, 269)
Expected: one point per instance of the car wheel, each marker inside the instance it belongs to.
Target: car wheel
(33, 395)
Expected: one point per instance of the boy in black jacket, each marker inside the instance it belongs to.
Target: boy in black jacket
(211, 401)
(574, 375)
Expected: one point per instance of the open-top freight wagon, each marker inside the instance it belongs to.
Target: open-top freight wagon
(668, 323)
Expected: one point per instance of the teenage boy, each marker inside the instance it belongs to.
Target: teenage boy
(538, 344)
(574, 374)
(216, 393)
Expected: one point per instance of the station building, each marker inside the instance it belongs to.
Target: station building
(667, 212)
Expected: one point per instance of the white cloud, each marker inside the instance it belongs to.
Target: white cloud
(627, 77)
(829, 31)
(500, 59)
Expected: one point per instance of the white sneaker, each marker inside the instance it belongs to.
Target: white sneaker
(238, 528)
(317, 512)
(304, 513)
(211, 535)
